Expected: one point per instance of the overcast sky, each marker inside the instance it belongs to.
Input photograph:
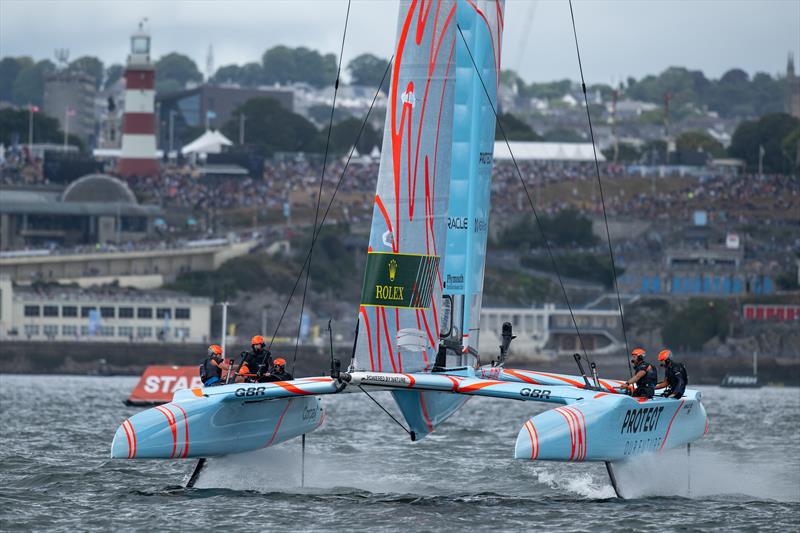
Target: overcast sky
(618, 38)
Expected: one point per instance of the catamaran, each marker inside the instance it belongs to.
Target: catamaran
(418, 319)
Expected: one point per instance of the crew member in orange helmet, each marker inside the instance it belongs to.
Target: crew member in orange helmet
(675, 377)
(212, 367)
(278, 371)
(645, 375)
(256, 361)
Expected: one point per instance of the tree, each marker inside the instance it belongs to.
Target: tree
(515, 129)
(177, 68)
(768, 132)
(10, 68)
(273, 126)
(344, 134)
(627, 153)
(113, 74)
(693, 326)
(29, 85)
(90, 66)
(282, 64)
(14, 128)
(248, 75)
(367, 69)
(699, 141)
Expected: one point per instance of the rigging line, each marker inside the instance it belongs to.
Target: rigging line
(387, 412)
(330, 202)
(321, 182)
(530, 200)
(600, 185)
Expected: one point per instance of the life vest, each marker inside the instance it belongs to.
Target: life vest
(650, 378)
(208, 371)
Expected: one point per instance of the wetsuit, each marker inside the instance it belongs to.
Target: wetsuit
(210, 373)
(646, 386)
(677, 379)
(278, 376)
(253, 361)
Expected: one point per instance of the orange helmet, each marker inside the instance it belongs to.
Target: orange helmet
(214, 349)
(664, 355)
(279, 362)
(258, 339)
(638, 352)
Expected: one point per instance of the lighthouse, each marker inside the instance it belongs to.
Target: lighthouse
(138, 156)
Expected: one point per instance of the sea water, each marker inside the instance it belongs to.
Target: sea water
(363, 473)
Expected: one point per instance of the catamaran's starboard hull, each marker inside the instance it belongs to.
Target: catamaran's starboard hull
(208, 426)
(611, 427)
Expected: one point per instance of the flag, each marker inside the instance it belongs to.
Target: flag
(34, 108)
(71, 112)
(211, 114)
(761, 150)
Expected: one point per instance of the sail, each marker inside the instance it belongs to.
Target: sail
(481, 22)
(402, 291)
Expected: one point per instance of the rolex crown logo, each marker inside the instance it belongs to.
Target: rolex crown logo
(392, 270)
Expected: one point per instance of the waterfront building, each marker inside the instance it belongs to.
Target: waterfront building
(109, 314)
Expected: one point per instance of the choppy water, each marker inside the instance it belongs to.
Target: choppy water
(363, 473)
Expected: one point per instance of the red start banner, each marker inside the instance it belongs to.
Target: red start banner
(159, 383)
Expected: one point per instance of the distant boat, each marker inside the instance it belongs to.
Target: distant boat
(733, 381)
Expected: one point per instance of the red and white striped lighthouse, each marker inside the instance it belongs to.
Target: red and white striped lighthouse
(138, 156)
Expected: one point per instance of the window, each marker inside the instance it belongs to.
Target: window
(50, 310)
(125, 331)
(182, 312)
(84, 331)
(50, 330)
(107, 312)
(86, 310)
(182, 333)
(69, 331)
(163, 312)
(69, 310)
(144, 333)
(31, 330)
(32, 310)
(144, 312)
(125, 312)
(106, 331)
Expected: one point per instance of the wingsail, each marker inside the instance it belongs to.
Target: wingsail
(402, 291)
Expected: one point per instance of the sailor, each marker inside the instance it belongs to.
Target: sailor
(256, 361)
(645, 375)
(212, 367)
(675, 379)
(278, 371)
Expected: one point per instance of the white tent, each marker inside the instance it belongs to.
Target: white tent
(210, 142)
(542, 151)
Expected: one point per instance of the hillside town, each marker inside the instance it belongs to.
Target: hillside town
(137, 196)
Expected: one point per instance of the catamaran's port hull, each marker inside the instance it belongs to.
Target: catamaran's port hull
(209, 426)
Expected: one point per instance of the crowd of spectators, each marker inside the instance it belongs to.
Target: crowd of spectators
(553, 186)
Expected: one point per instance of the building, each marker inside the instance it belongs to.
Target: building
(69, 97)
(93, 209)
(549, 329)
(138, 156)
(180, 114)
(60, 313)
(144, 266)
(712, 271)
